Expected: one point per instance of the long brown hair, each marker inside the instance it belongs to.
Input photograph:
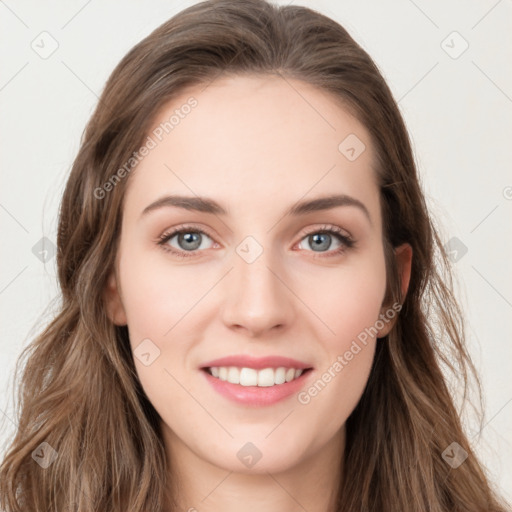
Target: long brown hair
(80, 402)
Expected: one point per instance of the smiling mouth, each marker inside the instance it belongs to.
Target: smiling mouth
(266, 377)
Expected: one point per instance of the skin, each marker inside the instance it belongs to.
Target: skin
(256, 145)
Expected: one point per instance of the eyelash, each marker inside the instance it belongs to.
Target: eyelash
(346, 241)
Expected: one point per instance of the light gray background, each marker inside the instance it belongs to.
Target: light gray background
(458, 111)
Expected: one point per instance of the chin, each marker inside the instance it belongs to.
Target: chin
(260, 455)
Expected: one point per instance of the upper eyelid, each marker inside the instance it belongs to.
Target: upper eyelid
(171, 232)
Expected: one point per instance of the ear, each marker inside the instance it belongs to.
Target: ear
(113, 302)
(403, 258)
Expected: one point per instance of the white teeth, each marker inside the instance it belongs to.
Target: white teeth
(266, 377)
(280, 376)
(290, 374)
(250, 377)
(233, 375)
(223, 373)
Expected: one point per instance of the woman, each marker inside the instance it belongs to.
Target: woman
(256, 307)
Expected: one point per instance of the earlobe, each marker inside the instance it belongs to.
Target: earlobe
(113, 302)
(403, 257)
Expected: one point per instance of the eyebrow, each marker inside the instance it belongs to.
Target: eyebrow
(207, 205)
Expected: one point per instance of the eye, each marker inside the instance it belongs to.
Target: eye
(321, 240)
(187, 239)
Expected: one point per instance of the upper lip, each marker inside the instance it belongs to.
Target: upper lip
(258, 363)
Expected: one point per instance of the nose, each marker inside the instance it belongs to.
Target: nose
(258, 297)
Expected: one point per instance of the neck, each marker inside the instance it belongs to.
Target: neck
(311, 484)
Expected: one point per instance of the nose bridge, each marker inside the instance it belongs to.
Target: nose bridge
(256, 298)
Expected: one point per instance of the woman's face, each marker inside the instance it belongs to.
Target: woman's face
(256, 274)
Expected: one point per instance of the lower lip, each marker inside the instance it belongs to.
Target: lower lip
(256, 395)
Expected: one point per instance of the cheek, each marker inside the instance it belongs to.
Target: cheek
(346, 300)
(350, 308)
(155, 296)
(160, 301)
(355, 306)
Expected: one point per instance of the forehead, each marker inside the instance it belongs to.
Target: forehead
(252, 141)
